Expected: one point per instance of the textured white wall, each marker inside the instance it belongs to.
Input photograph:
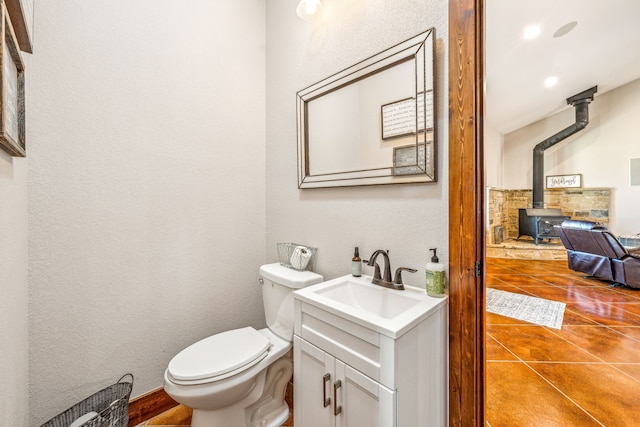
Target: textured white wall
(407, 219)
(600, 152)
(493, 149)
(14, 291)
(146, 187)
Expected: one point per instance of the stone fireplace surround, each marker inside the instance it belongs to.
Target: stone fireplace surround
(591, 204)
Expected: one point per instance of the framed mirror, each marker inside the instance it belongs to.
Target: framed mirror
(372, 123)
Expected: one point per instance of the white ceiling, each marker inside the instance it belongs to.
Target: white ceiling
(603, 50)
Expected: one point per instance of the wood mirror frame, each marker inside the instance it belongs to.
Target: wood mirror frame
(466, 213)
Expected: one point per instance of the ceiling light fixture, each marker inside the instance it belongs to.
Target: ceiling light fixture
(531, 32)
(309, 9)
(550, 81)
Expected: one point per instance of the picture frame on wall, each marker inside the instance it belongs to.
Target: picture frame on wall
(411, 159)
(564, 181)
(12, 107)
(399, 119)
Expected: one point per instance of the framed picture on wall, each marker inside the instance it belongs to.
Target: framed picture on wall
(564, 181)
(399, 118)
(12, 131)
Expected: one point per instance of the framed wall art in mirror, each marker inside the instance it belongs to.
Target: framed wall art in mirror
(372, 123)
(12, 131)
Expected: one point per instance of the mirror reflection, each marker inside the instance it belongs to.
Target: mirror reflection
(372, 123)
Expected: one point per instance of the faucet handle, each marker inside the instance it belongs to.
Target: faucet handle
(376, 272)
(398, 276)
(376, 268)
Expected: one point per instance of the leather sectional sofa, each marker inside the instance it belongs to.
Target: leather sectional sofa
(593, 250)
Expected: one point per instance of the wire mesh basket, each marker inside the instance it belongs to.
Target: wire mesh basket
(296, 256)
(107, 408)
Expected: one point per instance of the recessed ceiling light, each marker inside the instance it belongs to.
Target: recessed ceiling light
(531, 32)
(565, 29)
(551, 81)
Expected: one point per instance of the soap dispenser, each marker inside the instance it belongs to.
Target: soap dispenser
(356, 264)
(435, 276)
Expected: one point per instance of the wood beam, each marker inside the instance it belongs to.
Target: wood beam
(466, 213)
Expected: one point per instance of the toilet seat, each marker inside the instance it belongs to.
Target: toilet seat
(219, 356)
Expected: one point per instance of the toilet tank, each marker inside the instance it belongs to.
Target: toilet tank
(278, 284)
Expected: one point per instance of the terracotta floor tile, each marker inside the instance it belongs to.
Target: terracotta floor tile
(630, 331)
(495, 351)
(609, 332)
(555, 293)
(628, 291)
(630, 307)
(573, 318)
(536, 265)
(519, 280)
(603, 294)
(605, 314)
(557, 267)
(497, 319)
(496, 269)
(607, 394)
(559, 280)
(501, 261)
(491, 281)
(533, 269)
(511, 288)
(604, 343)
(631, 369)
(517, 397)
(538, 343)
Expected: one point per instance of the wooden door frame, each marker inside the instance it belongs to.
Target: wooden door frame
(466, 213)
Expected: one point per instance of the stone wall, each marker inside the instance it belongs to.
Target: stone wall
(591, 204)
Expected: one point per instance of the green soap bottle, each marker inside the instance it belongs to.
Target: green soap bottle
(435, 276)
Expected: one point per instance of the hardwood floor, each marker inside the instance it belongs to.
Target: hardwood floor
(180, 416)
(585, 374)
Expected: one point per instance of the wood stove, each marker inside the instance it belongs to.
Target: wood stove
(538, 223)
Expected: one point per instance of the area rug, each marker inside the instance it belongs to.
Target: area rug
(540, 311)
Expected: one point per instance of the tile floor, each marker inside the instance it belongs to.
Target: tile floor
(586, 374)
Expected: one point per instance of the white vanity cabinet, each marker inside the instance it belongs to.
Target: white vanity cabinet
(355, 372)
(332, 393)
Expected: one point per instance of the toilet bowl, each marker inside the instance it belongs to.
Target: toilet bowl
(239, 377)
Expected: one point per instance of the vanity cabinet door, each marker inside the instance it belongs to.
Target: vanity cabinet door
(313, 378)
(330, 393)
(362, 401)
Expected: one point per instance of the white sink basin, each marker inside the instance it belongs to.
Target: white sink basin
(388, 311)
(383, 302)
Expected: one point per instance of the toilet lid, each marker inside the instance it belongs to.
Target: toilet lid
(219, 354)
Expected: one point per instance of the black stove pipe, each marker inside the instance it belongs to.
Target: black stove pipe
(581, 103)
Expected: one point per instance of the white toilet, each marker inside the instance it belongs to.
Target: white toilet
(239, 377)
